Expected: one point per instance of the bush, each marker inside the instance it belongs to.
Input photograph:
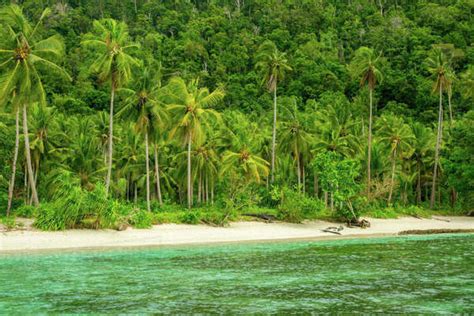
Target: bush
(141, 219)
(27, 211)
(9, 222)
(294, 207)
(191, 217)
(74, 207)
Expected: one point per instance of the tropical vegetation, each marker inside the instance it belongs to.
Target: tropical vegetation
(117, 113)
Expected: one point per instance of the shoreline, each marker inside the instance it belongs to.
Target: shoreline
(165, 235)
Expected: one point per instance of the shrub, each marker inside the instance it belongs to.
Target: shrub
(9, 222)
(74, 207)
(191, 217)
(295, 207)
(27, 211)
(141, 219)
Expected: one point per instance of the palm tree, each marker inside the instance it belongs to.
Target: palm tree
(142, 107)
(295, 139)
(244, 163)
(25, 49)
(365, 65)
(111, 39)
(398, 135)
(335, 130)
(272, 65)
(422, 145)
(43, 128)
(80, 156)
(189, 105)
(438, 67)
(467, 83)
(206, 166)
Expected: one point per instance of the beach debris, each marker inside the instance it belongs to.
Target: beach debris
(363, 223)
(333, 230)
(266, 217)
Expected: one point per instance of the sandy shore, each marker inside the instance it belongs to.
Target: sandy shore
(171, 234)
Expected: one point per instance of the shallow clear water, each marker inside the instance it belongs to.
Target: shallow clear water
(425, 274)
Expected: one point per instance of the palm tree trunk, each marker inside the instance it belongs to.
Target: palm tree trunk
(34, 194)
(157, 175)
(207, 189)
(332, 201)
(298, 173)
(392, 179)
(418, 186)
(304, 177)
(111, 135)
(453, 196)
(25, 180)
(15, 157)
(212, 193)
(200, 187)
(438, 145)
(148, 207)
(316, 185)
(190, 197)
(274, 132)
(369, 144)
(136, 193)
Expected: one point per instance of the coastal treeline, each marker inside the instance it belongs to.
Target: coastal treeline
(137, 112)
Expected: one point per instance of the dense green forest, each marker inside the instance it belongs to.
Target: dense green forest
(140, 112)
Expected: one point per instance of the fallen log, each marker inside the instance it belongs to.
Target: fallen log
(266, 217)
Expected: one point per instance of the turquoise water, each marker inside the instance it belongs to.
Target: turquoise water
(427, 274)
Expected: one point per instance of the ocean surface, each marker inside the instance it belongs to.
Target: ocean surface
(419, 274)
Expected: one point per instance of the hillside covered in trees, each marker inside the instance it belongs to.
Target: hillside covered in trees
(139, 112)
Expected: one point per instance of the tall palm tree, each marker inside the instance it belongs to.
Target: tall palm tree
(438, 66)
(142, 107)
(11, 185)
(26, 57)
(272, 65)
(189, 106)
(399, 136)
(43, 128)
(366, 66)
(111, 39)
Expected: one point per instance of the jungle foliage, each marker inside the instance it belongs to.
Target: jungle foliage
(118, 113)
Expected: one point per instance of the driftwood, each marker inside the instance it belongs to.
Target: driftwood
(266, 217)
(435, 231)
(358, 223)
(331, 231)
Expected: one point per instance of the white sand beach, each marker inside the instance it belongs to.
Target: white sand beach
(172, 234)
